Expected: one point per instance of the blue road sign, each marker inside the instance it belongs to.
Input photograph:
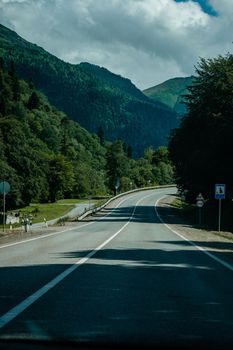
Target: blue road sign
(220, 190)
(4, 187)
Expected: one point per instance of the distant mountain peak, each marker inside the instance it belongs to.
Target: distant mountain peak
(171, 92)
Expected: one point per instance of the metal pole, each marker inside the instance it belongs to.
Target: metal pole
(219, 215)
(4, 206)
(199, 216)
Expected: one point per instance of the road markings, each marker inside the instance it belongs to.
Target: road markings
(69, 229)
(66, 230)
(222, 262)
(18, 309)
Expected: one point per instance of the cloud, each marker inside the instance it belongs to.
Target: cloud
(147, 41)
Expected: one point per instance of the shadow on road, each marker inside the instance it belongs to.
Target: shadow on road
(160, 295)
(165, 293)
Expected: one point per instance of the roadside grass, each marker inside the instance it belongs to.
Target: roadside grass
(49, 211)
(209, 215)
(186, 210)
(71, 201)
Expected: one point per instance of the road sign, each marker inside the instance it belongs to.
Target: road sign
(117, 184)
(200, 197)
(220, 190)
(4, 187)
(200, 204)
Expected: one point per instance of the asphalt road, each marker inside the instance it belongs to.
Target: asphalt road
(125, 278)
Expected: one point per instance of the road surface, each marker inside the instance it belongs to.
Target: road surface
(125, 278)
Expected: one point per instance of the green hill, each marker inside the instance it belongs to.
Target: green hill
(91, 95)
(170, 93)
(43, 154)
(46, 156)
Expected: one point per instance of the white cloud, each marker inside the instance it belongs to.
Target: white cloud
(147, 41)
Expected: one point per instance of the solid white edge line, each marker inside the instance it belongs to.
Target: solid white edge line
(69, 229)
(222, 262)
(18, 309)
(66, 230)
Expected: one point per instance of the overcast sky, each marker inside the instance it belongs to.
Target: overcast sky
(147, 41)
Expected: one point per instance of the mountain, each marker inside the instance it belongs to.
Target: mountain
(91, 95)
(43, 154)
(116, 80)
(46, 156)
(171, 93)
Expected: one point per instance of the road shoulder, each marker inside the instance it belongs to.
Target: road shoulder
(221, 244)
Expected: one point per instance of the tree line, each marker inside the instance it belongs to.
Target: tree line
(201, 148)
(46, 156)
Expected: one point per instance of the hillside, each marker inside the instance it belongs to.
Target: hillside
(170, 93)
(115, 80)
(92, 96)
(43, 154)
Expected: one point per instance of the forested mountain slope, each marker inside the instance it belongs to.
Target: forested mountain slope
(44, 155)
(171, 93)
(90, 95)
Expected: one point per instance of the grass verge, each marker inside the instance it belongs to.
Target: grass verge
(206, 217)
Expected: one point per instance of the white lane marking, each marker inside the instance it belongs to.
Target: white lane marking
(66, 230)
(222, 262)
(69, 229)
(40, 237)
(18, 309)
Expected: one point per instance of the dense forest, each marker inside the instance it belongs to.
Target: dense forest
(201, 147)
(46, 156)
(92, 96)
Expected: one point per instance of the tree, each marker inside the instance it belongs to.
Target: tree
(60, 177)
(100, 134)
(33, 101)
(65, 140)
(14, 81)
(201, 147)
(117, 163)
(129, 152)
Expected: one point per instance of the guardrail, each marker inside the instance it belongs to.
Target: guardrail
(94, 210)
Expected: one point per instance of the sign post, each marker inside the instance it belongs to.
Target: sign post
(200, 203)
(220, 190)
(4, 189)
(117, 184)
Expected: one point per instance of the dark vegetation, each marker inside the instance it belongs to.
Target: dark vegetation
(201, 148)
(92, 96)
(46, 156)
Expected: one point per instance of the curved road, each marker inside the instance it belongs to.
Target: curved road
(124, 278)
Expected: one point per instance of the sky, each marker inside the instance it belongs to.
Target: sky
(147, 41)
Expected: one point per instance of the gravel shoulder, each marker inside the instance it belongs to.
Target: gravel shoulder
(219, 243)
